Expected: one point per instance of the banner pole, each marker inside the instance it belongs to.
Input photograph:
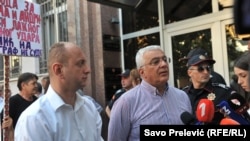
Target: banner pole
(6, 92)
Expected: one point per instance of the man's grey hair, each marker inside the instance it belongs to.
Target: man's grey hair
(139, 55)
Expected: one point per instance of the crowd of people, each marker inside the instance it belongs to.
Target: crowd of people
(57, 109)
(29, 91)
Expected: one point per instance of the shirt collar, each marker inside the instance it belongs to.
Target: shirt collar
(56, 101)
(151, 88)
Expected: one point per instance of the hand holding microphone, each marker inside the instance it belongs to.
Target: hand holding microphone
(189, 119)
(228, 111)
(236, 108)
(239, 105)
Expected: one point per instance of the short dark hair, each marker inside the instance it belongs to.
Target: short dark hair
(25, 77)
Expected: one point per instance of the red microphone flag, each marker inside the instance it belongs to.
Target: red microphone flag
(205, 110)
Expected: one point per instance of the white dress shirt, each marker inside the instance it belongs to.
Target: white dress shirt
(50, 119)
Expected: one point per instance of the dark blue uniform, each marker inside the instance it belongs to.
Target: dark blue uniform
(217, 78)
(115, 97)
(216, 92)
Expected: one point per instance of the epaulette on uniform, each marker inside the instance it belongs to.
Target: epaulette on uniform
(118, 91)
(186, 88)
(220, 85)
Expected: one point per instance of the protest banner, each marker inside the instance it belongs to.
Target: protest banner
(20, 35)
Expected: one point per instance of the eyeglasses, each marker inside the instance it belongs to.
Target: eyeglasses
(157, 61)
(202, 68)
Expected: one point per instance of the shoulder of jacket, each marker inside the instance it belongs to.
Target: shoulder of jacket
(220, 85)
(119, 91)
(185, 88)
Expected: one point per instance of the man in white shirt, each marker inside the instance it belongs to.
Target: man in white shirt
(62, 114)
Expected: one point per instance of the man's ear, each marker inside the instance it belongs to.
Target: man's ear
(22, 84)
(58, 69)
(189, 72)
(141, 72)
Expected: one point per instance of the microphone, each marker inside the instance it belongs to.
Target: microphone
(226, 109)
(239, 105)
(205, 111)
(228, 121)
(189, 119)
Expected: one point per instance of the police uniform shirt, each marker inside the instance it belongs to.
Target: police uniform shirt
(217, 78)
(115, 97)
(214, 91)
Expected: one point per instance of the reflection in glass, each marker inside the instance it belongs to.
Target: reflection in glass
(63, 26)
(182, 44)
(177, 10)
(235, 46)
(15, 66)
(145, 16)
(49, 12)
(131, 46)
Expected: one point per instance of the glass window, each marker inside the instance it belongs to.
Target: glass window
(143, 16)
(182, 44)
(177, 10)
(131, 46)
(14, 66)
(63, 27)
(235, 46)
(60, 2)
(54, 27)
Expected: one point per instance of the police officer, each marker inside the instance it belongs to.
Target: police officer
(215, 77)
(199, 70)
(126, 85)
